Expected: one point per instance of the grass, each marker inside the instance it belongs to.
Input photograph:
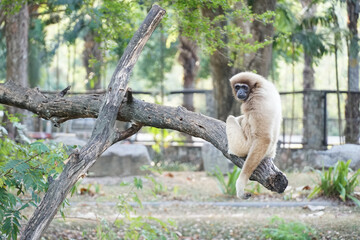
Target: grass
(279, 229)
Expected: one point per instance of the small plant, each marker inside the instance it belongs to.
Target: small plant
(229, 187)
(255, 188)
(135, 227)
(335, 182)
(158, 187)
(281, 230)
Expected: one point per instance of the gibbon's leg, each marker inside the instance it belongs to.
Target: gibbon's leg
(256, 154)
(237, 142)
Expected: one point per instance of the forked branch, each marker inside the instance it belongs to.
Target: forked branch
(104, 133)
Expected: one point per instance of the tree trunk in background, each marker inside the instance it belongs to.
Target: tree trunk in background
(352, 113)
(308, 79)
(189, 59)
(16, 32)
(308, 83)
(221, 72)
(308, 72)
(259, 61)
(91, 52)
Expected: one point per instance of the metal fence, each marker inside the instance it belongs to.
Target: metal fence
(292, 130)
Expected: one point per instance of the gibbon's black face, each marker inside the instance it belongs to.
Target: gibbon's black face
(242, 91)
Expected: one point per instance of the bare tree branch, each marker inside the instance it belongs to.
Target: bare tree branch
(146, 114)
(127, 133)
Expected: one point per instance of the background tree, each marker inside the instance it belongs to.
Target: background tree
(189, 59)
(352, 112)
(16, 34)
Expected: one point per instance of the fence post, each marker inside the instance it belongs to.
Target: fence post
(314, 120)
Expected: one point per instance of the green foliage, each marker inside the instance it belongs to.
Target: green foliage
(155, 51)
(136, 227)
(162, 140)
(295, 33)
(335, 182)
(11, 6)
(188, 18)
(281, 230)
(228, 187)
(25, 172)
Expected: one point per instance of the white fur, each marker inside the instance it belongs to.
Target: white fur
(255, 133)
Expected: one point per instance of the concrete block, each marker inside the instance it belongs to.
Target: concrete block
(214, 158)
(121, 160)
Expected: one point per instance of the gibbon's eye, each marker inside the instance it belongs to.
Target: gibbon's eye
(237, 87)
(245, 87)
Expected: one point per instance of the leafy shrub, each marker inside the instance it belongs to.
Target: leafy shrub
(335, 182)
(228, 187)
(25, 172)
(281, 230)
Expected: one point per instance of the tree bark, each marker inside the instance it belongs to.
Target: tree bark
(352, 112)
(189, 59)
(221, 72)
(308, 81)
(260, 61)
(103, 136)
(16, 33)
(308, 71)
(92, 51)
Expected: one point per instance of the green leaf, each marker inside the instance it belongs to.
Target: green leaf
(355, 200)
(138, 183)
(39, 147)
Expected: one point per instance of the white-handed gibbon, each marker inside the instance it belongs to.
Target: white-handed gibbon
(255, 133)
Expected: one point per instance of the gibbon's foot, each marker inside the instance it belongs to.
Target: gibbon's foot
(243, 195)
(246, 196)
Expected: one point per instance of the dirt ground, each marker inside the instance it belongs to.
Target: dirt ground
(200, 210)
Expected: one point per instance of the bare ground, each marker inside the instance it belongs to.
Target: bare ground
(200, 210)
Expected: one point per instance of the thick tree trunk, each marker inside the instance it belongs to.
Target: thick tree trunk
(189, 59)
(352, 113)
(259, 61)
(308, 81)
(92, 51)
(221, 72)
(16, 32)
(308, 72)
